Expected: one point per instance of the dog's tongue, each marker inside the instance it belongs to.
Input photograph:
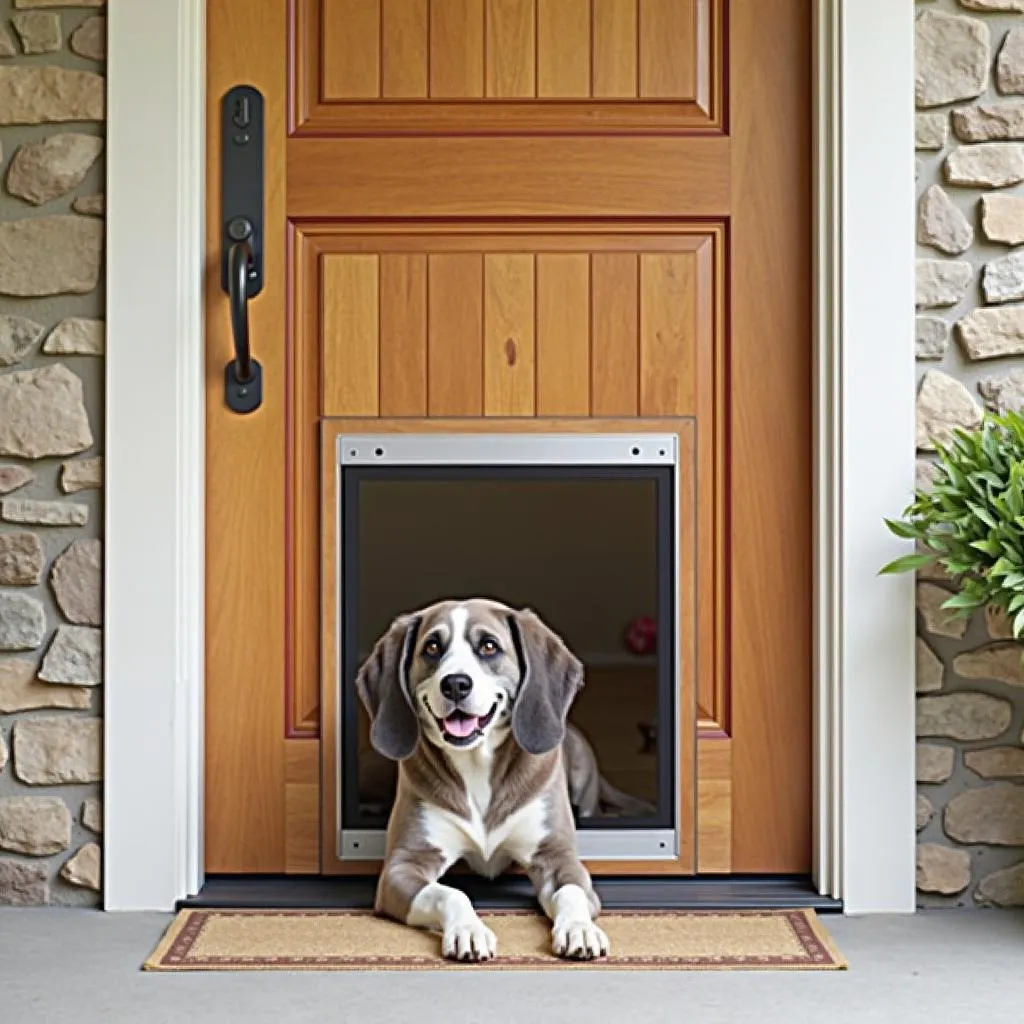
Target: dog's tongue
(461, 726)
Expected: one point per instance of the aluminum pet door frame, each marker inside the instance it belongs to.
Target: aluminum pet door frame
(506, 458)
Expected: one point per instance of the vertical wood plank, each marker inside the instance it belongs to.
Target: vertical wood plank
(456, 49)
(563, 48)
(511, 48)
(563, 334)
(455, 335)
(615, 48)
(244, 813)
(668, 49)
(404, 46)
(302, 807)
(403, 334)
(350, 336)
(509, 344)
(668, 334)
(714, 806)
(351, 49)
(770, 460)
(615, 334)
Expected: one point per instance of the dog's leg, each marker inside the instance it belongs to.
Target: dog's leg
(409, 892)
(447, 910)
(567, 896)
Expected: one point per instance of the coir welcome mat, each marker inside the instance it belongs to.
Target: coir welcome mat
(356, 940)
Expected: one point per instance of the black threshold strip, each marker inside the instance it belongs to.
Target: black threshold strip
(297, 892)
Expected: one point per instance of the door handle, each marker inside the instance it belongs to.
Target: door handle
(243, 376)
(242, 234)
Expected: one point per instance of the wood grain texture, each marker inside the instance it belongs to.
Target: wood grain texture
(616, 179)
(456, 49)
(455, 335)
(351, 338)
(563, 48)
(668, 333)
(510, 377)
(302, 806)
(770, 474)
(712, 471)
(615, 48)
(563, 334)
(714, 806)
(615, 341)
(591, 55)
(685, 704)
(404, 49)
(403, 334)
(511, 48)
(668, 49)
(302, 497)
(516, 177)
(351, 49)
(244, 812)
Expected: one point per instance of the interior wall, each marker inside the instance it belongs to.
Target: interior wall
(582, 554)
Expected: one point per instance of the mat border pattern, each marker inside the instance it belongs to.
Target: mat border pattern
(171, 954)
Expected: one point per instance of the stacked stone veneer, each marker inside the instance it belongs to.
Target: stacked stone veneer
(970, 352)
(52, 101)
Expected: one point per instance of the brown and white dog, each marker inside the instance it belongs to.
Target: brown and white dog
(471, 698)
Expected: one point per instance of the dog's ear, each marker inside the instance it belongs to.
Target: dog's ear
(551, 677)
(383, 686)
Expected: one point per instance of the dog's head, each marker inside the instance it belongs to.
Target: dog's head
(461, 673)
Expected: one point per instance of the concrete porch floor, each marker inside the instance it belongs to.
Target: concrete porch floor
(60, 965)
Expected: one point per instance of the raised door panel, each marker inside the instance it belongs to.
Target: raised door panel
(463, 66)
(503, 322)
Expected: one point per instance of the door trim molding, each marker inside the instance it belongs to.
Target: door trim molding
(864, 455)
(154, 529)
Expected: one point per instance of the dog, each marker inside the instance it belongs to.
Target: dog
(590, 793)
(470, 698)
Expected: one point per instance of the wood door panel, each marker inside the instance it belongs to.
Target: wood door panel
(516, 324)
(511, 64)
(246, 474)
(349, 179)
(501, 279)
(510, 334)
(491, 212)
(563, 334)
(437, 66)
(403, 334)
(404, 57)
(455, 328)
(351, 335)
(769, 541)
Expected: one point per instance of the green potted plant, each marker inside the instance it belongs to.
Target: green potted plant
(971, 520)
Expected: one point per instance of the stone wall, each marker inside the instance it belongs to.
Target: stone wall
(51, 427)
(970, 344)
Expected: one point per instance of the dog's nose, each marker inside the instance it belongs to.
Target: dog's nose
(456, 686)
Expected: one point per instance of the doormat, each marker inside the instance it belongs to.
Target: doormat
(357, 940)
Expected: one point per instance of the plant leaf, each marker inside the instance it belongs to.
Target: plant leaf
(908, 563)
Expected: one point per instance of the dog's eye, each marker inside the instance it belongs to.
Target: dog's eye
(489, 647)
(432, 648)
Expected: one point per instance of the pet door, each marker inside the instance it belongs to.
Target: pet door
(580, 528)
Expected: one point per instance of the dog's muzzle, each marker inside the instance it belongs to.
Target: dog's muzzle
(460, 728)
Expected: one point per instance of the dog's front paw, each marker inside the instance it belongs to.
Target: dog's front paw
(469, 941)
(578, 940)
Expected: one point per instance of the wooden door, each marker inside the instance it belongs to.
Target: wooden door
(519, 214)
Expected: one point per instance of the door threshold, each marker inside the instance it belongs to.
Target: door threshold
(306, 892)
